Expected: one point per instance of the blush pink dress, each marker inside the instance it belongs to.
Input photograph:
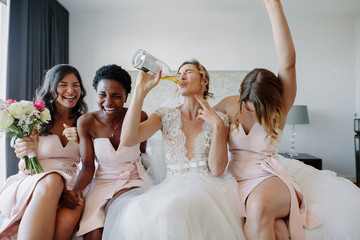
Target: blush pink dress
(18, 188)
(117, 169)
(254, 159)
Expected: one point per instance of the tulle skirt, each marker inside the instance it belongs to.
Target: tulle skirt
(335, 201)
(189, 206)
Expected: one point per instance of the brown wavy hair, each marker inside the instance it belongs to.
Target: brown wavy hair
(47, 92)
(262, 88)
(204, 74)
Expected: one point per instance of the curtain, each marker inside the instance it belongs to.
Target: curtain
(38, 40)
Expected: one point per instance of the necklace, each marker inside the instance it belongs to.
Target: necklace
(113, 130)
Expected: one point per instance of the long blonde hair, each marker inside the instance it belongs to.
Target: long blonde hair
(262, 88)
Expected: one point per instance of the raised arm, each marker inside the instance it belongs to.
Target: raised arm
(285, 52)
(134, 132)
(144, 117)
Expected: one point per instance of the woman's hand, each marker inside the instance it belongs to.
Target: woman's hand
(218, 154)
(70, 199)
(208, 114)
(145, 82)
(70, 133)
(24, 146)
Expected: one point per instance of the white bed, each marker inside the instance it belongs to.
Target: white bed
(334, 200)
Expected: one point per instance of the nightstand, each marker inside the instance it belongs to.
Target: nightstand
(307, 159)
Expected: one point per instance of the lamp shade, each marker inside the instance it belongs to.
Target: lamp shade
(298, 114)
(357, 125)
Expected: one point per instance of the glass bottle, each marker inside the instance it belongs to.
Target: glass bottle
(143, 60)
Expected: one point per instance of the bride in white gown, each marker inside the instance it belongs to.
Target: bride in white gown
(198, 198)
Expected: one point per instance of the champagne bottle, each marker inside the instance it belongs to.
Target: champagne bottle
(143, 60)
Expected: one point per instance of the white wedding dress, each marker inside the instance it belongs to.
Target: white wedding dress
(190, 203)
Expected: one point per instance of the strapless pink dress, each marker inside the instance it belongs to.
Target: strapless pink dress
(253, 160)
(18, 188)
(117, 169)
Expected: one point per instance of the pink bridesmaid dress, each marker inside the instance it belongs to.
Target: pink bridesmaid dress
(117, 169)
(14, 196)
(254, 159)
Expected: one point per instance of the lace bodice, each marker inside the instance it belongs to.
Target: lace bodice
(174, 144)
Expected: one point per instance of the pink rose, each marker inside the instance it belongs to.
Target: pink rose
(10, 101)
(39, 105)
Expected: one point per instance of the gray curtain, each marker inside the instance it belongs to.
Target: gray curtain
(38, 40)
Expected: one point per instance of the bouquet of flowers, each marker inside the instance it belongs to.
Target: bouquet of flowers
(18, 119)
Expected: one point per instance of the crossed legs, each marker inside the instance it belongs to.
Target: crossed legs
(266, 207)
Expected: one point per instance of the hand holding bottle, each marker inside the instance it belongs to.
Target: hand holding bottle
(146, 62)
(145, 82)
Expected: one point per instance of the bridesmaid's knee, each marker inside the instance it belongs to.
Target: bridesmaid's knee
(257, 210)
(51, 184)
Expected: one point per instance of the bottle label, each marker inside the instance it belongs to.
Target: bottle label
(142, 60)
(144, 69)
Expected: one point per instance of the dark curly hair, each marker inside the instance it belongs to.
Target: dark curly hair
(113, 72)
(47, 92)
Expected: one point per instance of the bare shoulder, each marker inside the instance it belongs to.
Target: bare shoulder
(227, 103)
(86, 118)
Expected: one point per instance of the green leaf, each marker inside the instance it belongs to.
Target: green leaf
(11, 134)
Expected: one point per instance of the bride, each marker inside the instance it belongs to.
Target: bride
(198, 198)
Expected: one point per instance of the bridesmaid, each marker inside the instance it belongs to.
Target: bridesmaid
(268, 193)
(30, 205)
(119, 168)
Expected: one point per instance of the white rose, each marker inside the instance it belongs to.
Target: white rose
(45, 115)
(16, 110)
(5, 119)
(28, 106)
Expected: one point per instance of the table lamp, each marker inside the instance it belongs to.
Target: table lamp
(298, 114)
(357, 149)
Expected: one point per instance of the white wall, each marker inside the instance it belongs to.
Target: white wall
(325, 47)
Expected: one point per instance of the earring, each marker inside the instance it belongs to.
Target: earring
(203, 83)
